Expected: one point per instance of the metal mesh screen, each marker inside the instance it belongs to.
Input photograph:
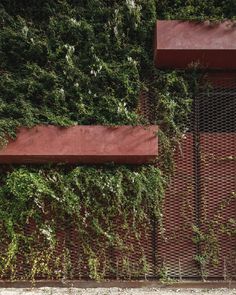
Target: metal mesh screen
(217, 177)
(175, 248)
(201, 195)
(118, 264)
(200, 203)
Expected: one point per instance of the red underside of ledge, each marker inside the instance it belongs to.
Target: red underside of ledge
(82, 144)
(181, 43)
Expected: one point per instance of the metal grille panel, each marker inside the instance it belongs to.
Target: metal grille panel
(217, 141)
(201, 195)
(175, 248)
(205, 179)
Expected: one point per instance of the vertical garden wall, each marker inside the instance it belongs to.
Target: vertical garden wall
(86, 63)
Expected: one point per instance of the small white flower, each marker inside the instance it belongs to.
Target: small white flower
(116, 31)
(100, 68)
(75, 22)
(131, 3)
(25, 31)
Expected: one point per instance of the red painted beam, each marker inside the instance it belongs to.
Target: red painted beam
(180, 43)
(82, 144)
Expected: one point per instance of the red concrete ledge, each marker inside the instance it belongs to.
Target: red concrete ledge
(180, 43)
(82, 144)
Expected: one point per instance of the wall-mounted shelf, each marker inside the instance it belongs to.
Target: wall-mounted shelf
(82, 144)
(181, 43)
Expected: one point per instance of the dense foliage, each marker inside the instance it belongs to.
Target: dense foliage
(68, 62)
(91, 201)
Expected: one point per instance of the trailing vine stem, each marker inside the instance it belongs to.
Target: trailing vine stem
(64, 64)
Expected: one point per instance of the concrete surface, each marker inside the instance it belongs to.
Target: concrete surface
(114, 291)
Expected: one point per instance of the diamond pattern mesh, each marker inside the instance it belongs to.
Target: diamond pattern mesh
(202, 191)
(217, 178)
(201, 195)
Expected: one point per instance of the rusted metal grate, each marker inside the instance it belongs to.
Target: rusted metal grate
(201, 194)
(217, 181)
(146, 106)
(175, 248)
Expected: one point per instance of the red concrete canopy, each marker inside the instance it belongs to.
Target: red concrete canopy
(82, 144)
(180, 43)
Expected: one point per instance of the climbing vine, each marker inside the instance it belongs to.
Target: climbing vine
(66, 63)
(92, 202)
(207, 237)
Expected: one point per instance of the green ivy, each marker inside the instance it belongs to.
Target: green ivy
(67, 62)
(91, 200)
